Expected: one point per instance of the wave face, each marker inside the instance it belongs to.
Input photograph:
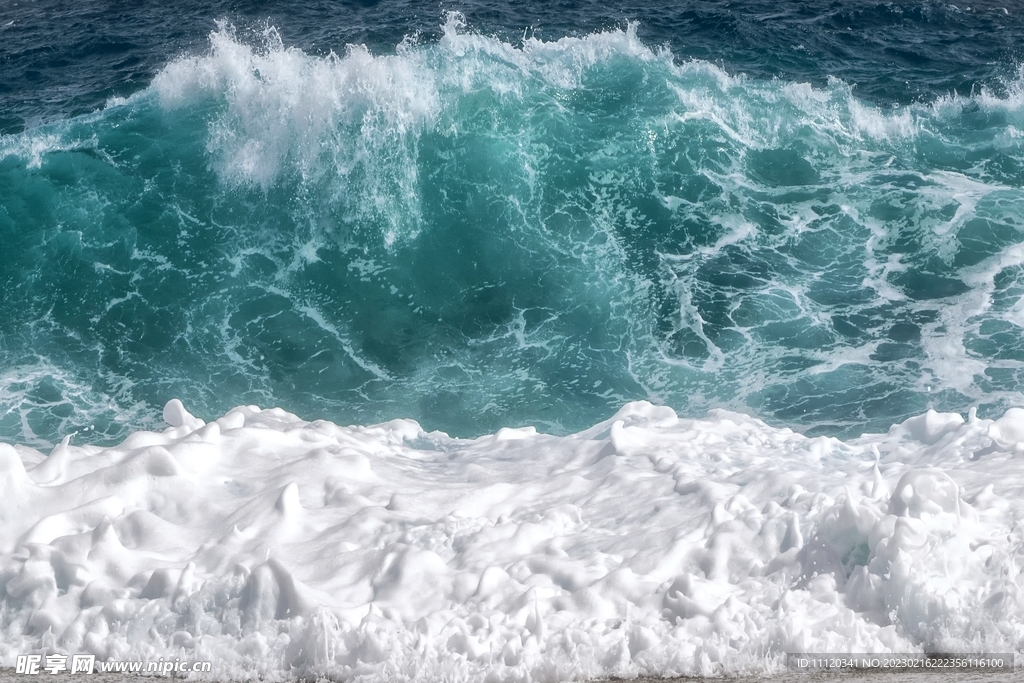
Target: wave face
(476, 234)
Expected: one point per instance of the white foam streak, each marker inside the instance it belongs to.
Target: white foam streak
(318, 318)
(33, 148)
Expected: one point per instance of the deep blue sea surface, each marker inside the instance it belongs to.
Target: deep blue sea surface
(488, 214)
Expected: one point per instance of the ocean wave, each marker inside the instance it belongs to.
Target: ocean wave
(474, 234)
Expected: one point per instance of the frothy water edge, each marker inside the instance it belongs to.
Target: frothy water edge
(646, 545)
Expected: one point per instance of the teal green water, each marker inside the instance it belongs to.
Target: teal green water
(477, 235)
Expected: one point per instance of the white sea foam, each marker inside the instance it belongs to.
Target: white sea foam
(289, 112)
(648, 544)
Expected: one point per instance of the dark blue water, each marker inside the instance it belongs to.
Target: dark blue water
(479, 215)
(60, 59)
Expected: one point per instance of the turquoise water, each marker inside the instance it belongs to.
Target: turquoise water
(475, 234)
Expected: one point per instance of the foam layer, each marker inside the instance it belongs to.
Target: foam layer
(648, 544)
